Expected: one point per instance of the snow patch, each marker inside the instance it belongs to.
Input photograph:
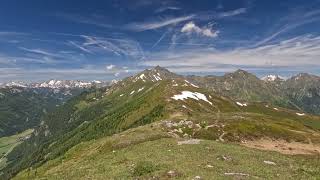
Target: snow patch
(191, 84)
(192, 95)
(157, 78)
(140, 89)
(132, 92)
(300, 114)
(241, 104)
(142, 76)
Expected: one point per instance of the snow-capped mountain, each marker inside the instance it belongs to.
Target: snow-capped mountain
(14, 84)
(272, 78)
(57, 84)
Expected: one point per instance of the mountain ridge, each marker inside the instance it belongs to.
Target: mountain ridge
(183, 108)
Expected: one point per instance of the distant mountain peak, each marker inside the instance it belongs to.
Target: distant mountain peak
(272, 78)
(240, 74)
(304, 76)
(15, 84)
(56, 84)
(241, 71)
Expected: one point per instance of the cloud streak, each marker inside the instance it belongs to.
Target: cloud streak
(302, 51)
(158, 24)
(115, 46)
(40, 52)
(85, 20)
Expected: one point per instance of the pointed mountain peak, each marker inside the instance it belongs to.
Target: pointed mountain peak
(155, 74)
(160, 69)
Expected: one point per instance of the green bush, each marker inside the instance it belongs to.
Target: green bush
(143, 168)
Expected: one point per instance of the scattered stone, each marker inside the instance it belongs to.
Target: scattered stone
(270, 163)
(197, 177)
(186, 135)
(198, 126)
(236, 174)
(171, 173)
(209, 166)
(190, 141)
(224, 158)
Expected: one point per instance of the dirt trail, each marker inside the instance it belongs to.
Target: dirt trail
(284, 146)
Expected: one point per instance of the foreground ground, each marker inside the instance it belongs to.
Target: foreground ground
(149, 152)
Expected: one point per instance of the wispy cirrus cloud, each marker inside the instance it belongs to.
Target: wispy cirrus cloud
(232, 13)
(116, 46)
(40, 52)
(158, 24)
(298, 18)
(80, 73)
(12, 33)
(96, 20)
(302, 51)
(79, 46)
(167, 8)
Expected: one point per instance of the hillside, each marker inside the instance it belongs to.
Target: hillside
(148, 152)
(300, 92)
(22, 108)
(183, 109)
(304, 91)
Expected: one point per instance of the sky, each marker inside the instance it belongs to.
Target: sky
(105, 40)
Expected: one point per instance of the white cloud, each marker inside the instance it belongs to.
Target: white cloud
(191, 27)
(110, 67)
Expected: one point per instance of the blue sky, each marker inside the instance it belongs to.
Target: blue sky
(106, 40)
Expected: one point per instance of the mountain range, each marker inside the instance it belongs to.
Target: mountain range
(300, 92)
(157, 111)
(56, 84)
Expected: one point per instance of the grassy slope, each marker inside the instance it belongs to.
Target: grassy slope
(8, 143)
(99, 114)
(147, 152)
(90, 116)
